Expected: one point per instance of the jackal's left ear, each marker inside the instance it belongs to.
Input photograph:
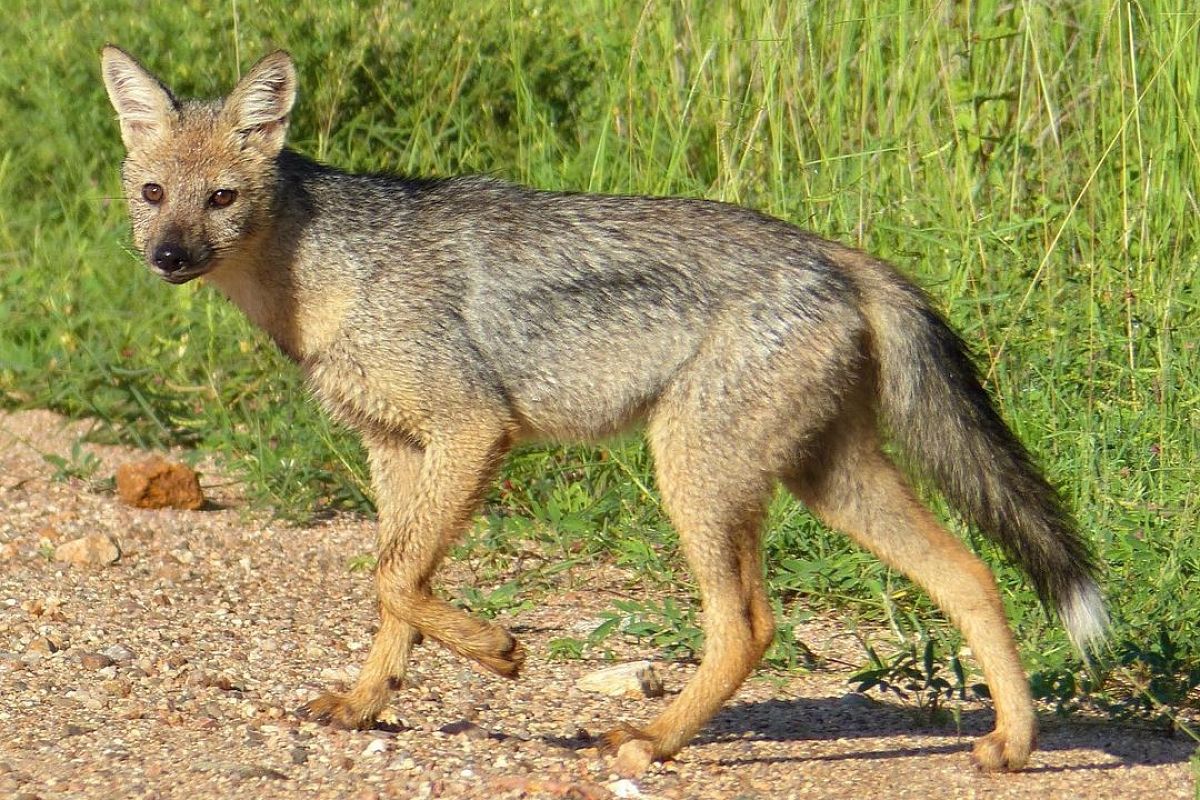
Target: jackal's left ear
(259, 105)
(145, 107)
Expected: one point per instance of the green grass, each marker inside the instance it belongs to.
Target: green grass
(1033, 164)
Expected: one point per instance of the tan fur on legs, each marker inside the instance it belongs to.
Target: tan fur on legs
(738, 628)
(360, 707)
(395, 468)
(855, 488)
(426, 497)
(489, 645)
(718, 516)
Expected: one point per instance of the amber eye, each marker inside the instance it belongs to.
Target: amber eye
(222, 197)
(152, 193)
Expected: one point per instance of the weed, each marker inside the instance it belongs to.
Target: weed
(918, 674)
(668, 625)
(566, 648)
(80, 465)
(363, 562)
(507, 597)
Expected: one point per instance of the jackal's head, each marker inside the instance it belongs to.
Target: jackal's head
(199, 176)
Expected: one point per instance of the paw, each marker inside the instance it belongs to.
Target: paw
(633, 748)
(611, 741)
(503, 654)
(340, 711)
(1000, 751)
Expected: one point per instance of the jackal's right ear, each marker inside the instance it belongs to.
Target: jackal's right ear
(259, 105)
(144, 105)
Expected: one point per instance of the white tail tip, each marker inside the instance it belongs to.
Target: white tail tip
(1085, 618)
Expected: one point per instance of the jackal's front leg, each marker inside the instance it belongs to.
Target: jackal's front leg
(425, 499)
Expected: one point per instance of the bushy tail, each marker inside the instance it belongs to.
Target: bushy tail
(935, 407)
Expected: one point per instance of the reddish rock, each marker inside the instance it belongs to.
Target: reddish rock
(94, 661)
(158, 483)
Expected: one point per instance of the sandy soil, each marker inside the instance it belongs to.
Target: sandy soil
(174, 673)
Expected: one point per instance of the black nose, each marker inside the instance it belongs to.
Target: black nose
(171, 257)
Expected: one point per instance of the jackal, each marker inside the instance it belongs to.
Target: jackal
(446, 320)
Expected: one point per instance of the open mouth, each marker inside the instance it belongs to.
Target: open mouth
(180, 276)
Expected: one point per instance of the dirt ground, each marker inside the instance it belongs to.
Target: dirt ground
(174, 673)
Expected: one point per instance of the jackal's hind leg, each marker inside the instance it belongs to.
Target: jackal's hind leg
(855, 488)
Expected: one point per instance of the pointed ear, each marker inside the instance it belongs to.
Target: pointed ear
(145, 107)
(258, 107)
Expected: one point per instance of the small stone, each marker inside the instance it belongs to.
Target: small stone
(44, 645)
(119, 653)
(8, 551)
(158, 483)
(343, 675)
(184, 556)
(97, 549)
(209, 680)
(635, 679)
(94, 661)
(299, 755)
(259, 771)
(856, 701)
(90, 701)
(376, 747)
(466, 729)
(53, 611)
(624, 788)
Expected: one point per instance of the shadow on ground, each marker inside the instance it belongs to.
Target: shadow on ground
(857, 717)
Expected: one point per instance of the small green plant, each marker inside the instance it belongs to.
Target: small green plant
(363, 562)
(668, 625)
(567, 648)
(489, 604)
(571, 647)
(1161, 675)
(79, 465)
(918, 675)
(787, 652)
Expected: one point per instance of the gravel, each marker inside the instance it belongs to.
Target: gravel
(174, 672)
